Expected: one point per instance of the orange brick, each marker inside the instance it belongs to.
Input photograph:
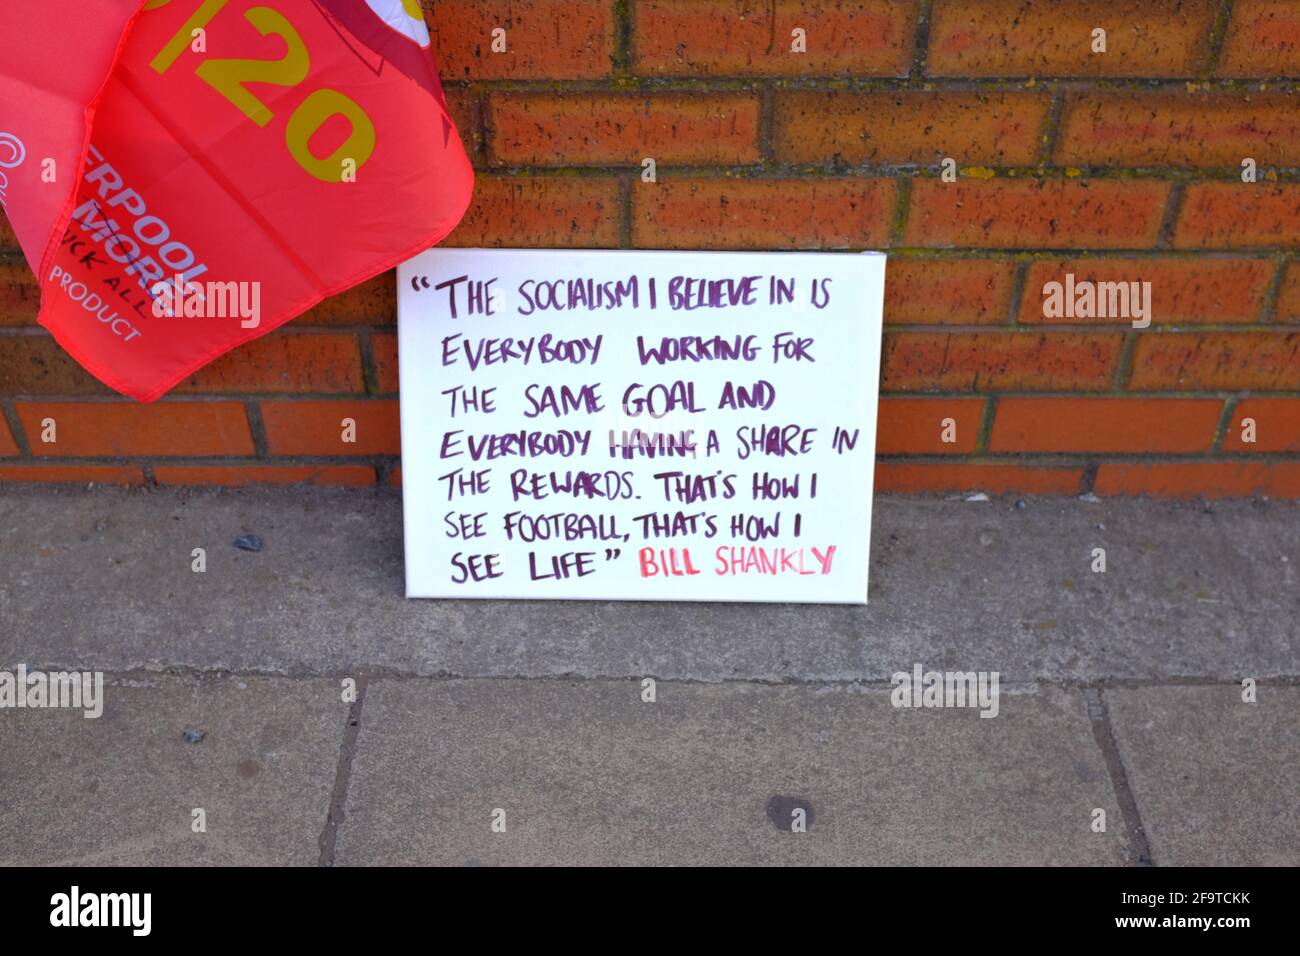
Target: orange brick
(316, 428)
(541, 211)
(754, 37)
(1288, 300)
(284, 362)
(235, 475)
(912, 477)
(1200, 479)
(7, 444)
(1016, 360)
(915, 426)
(1180, 129)
(1239, 215)
(1277, 425)
(576, 129)
(948, 291)
(395, 477)
(1104, 424)
(994, 128)
(1183, 291)
(373, 302)
(88, 429)
(384, 346)
(1217, 360)
(1263, 39)
(20, 296)
(545, 39)
(762, 213)
(1053, 213)
(1156, 38)
(73, 474)
(37, 365)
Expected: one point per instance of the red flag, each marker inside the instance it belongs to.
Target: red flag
(234, 162)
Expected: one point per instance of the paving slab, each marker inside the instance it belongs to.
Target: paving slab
(587, 772)
(1217, 780)
(120, 789)
(103, 579)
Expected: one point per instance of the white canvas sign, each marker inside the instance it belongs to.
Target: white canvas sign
(642, 426)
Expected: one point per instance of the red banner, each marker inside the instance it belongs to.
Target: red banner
(189, 176)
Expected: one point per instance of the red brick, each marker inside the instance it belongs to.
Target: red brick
(373, 302)
(1104, 424)
(1183, 291)
(545, 39)
(234, 475)
(914, 426)
(577, 129)
(73, 474)
(948, 291)
(541, 211)
(762, 213)
(1239, 215)
(1180, 129)
(911, 477)
(1200, 479)
(384, 346)
(1217, 360)
(460, 105)
(1014, 360)
(1156, 38)
(7, 444)
(1263, 39)
(315, 428)
(1023, 213)
(395, 477)
(284, 362)
(37, 365)
(753, 37)
(1288, 299)
(88, 429)
(8, 241)
(20, 296)
(1277, 425)
(1000, 129)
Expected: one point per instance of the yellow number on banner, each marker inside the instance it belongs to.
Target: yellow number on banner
(310, 116)
(185, 35)
(228, 77)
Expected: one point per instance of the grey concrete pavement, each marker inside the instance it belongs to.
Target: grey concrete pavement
(1217, 779)
(587, 772)
(1120, 691)
(102, 579)
(120, 789)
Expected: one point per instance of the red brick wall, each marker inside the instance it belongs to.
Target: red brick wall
(1122, 165)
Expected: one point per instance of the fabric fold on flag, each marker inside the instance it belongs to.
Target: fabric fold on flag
(202, 171)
